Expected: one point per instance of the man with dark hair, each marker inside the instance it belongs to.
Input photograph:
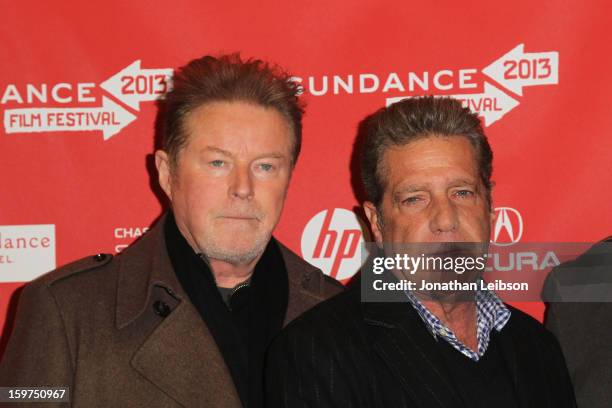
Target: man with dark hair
(184, 316)
(426, 169)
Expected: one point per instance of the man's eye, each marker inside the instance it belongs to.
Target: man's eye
(464, 193)
(411, 200)
(266, 166)
(217, 163)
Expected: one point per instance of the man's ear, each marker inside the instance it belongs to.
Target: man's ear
(375, 222)
(162, 162)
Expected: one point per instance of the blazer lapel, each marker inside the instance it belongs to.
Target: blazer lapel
(399, 340)
(182, 359)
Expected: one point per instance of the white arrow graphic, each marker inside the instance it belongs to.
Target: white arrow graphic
(492, 105)
(517, 69)
(133, 85)
(110, 119)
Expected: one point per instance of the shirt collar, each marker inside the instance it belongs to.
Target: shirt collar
(491, 313)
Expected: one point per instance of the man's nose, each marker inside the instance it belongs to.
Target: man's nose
(444, 217)
(241, 185)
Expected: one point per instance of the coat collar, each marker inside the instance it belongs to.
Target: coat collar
(144, 265)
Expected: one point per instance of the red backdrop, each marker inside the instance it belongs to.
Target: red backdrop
(78, 80)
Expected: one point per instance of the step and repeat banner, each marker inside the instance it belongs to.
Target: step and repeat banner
(79, 80)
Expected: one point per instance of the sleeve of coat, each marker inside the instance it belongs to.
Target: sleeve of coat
(37, 353)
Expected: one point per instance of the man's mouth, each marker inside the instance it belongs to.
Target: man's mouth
(238, 217)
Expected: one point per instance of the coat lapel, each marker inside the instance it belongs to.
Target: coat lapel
(182, 359)
(398, 338)
(179, 355)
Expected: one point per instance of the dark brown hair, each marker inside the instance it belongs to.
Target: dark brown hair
(415, 118)
(228, 78)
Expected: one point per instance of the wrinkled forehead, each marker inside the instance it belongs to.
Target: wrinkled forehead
(430, 160)
(237, 128)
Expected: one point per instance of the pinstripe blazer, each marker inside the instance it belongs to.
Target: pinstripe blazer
(344, 353)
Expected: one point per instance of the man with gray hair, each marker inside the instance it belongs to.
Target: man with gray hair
(426, 168)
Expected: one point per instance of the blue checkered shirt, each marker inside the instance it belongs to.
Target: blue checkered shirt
(491, 313)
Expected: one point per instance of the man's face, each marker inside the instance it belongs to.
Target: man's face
(230, 181)
(432, 194)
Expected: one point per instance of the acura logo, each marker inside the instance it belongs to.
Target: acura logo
(508, 226)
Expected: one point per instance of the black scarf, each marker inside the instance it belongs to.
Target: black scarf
(244, 331)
